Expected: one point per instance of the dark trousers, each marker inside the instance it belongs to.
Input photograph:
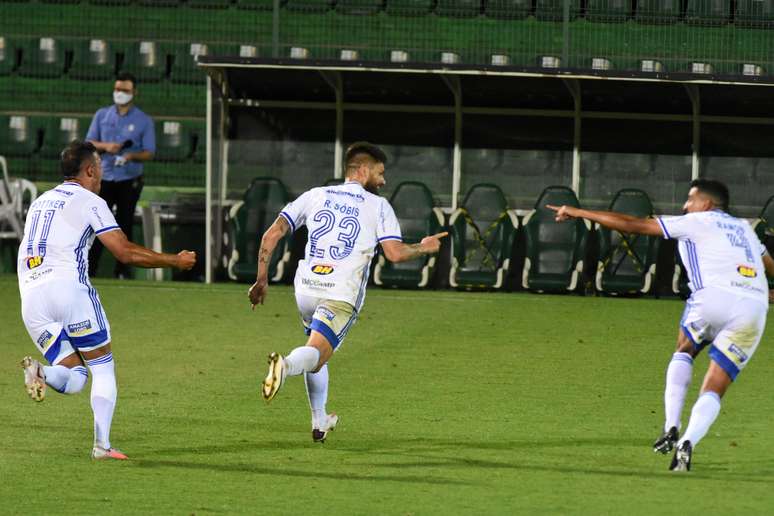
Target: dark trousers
(124, 196)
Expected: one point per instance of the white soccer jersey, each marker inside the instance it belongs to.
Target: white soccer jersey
(60, 228)
(719, 250)
(345, 224)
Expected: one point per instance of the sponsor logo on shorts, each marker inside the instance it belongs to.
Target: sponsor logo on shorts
(325, 312)
(317, 284)
(44, 338)
(34, 261)
(322, 270)
(79, 328)
(741, 355)
(747, 271)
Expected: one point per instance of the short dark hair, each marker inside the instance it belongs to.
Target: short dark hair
(74, 156)
(358, 149)
(715, 189)
(126, 76)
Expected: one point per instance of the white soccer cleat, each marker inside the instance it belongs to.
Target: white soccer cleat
(319, 434)
(275, 378)
(99, 453)
(34, 378)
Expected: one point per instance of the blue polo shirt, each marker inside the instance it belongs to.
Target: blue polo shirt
(110, 127)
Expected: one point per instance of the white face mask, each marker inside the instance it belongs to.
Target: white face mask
(122, 98)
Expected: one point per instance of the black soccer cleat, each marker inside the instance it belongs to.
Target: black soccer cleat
(682, 459)
(667, 441)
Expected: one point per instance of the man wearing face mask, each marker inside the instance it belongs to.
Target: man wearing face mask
(125, 137)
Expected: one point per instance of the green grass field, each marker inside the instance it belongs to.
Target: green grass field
(450, 403)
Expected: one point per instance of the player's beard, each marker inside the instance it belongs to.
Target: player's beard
(371, 187)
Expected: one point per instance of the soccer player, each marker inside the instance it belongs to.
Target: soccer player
(60, 308)
(726, 311)
(345, 223)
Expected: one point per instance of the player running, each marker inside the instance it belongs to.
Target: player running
(60, 308)
(345, 224)
(726, 311)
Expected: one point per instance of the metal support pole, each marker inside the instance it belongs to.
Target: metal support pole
(275, 28)
(453, 82)
(566, 35)
(208, 189)
(574, 87)
(334, 81)
(693, 94)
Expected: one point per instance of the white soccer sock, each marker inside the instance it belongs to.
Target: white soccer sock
(317, 391)
(678, 379)
(103, 397)
(301, 360)
(704, 413)
(65, 380)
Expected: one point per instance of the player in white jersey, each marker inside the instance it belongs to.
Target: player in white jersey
(727, 267)
(61, 310)
(346, 223)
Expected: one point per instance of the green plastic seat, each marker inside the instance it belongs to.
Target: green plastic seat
(210, 4)
(553, 10)
(754, 13)
(408, 7)
(159, 3)
(58, 132)
(18, 136)
(627, 263)
(334, 181)
(184, 69)
(309, 6)
(7, 56)
(554, 250)
(110, 2)
(359, 7)
(174, 141)
(458, 8)
(258, 5)
(146, 61)
(413, 205)
(608, 10)
(508, 9)
(680, 278)
(94, 60)
(246, 223)
(43, 58)
(482, 233)
(708, 12)
(199, 135)
(657, 11)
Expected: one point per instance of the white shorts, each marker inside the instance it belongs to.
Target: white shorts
(733, 325)
(63, 316)
(331, 318)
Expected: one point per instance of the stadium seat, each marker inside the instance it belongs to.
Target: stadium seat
(482, 232)
(110, 2)
(754, 13)
(764, 228)
(246, 223)
(43, 58)
(184, 69)
(458, 8)
(657, 11)
(608, 10)
(7, 56)
(308, 6)
(146, 61)
(413, 205)
(174, 141)
(58, 132)
(18, 136)
(508, 9)
(627, 263)
(554, 250)
(93, 59)
(334, 181)
(680, 278)
(260, 5)
(210, 4)
(359, 6)
(199, 134)
(159, 3)
(553, 10)
(707, 12)
(408, 7)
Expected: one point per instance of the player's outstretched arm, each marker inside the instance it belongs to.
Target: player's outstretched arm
(269, 241)
(396, 251)
(610, 219)
(132, 254)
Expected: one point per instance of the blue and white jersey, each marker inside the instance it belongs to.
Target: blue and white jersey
(720, 251)
(61, 226)
(345, 224)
